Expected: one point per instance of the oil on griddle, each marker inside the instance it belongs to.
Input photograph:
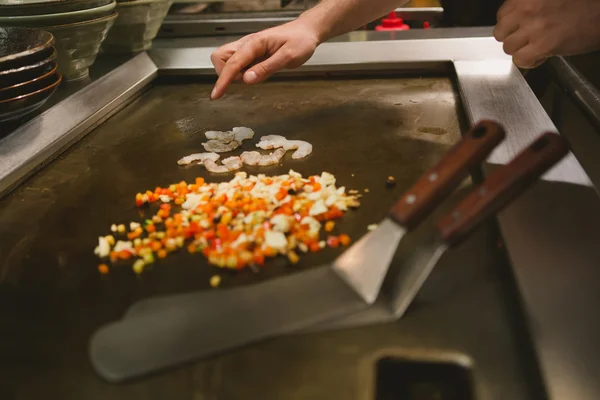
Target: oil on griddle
(362, 130)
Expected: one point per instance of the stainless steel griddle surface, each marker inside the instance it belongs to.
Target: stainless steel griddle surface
(52, 298)
(362, 131)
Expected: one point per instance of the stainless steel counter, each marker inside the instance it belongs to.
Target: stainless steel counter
(542, 233)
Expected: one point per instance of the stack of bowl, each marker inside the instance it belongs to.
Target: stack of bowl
(137, 25)
(79, 27)
(28, 71)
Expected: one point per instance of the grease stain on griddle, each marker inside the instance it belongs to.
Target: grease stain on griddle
(396, 123)
(432, 130)
(189, 126)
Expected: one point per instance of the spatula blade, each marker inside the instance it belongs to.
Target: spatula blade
(364, 265)
(192, 329)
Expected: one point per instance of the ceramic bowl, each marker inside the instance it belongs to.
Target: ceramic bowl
(26, 73)
(78, 45)
(22, 46)
(29, 86)
(137, 25)
(14, 108)
(13, 8)
(39, 20)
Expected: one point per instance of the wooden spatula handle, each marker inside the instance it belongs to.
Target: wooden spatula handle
(502, 186)
(437, 183)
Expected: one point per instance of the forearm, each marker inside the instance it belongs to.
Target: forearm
(331, 18)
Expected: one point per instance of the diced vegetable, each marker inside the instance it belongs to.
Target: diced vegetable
(293, 257)
(138, 266)
(344, 239)
(390, 182)
(215, 281)
(333, 241)
(329, 226)
(103, 269)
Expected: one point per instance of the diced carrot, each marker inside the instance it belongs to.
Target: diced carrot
(259, 257)
(281, 194)
(329, 225)
(344, 239)
(134, 234)
(333, 241)
(103, 269)
(314, 247)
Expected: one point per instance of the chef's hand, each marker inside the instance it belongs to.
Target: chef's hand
(286, 46)
(533, 30)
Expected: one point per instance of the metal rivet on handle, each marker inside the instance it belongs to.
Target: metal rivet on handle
(479, 131)
(433, 176)
(482, 191)
(411, 198)
(456, 215)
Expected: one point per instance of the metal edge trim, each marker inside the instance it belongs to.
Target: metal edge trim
(496, 89)
(354, 54)
(583, 93)
(43, 138)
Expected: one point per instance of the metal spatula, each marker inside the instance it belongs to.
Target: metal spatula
(144, 344)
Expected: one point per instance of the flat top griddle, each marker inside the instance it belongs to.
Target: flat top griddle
(52, 297)
(362, 131)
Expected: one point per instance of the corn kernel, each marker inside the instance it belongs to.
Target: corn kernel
(329, 225)
(138, 266)
(293, 257)
(215, 281)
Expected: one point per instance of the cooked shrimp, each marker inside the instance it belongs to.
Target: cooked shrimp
(213, 167)
(201, 157)
(255, 158)
(302, 148)
(224, 137)
(271, 141)
(229, 164)
(233, 163)
(251, 157)
(273, 158)
(217, 146)
(239, 134)
(242, 133)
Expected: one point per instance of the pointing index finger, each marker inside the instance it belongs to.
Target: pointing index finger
(244, 56)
